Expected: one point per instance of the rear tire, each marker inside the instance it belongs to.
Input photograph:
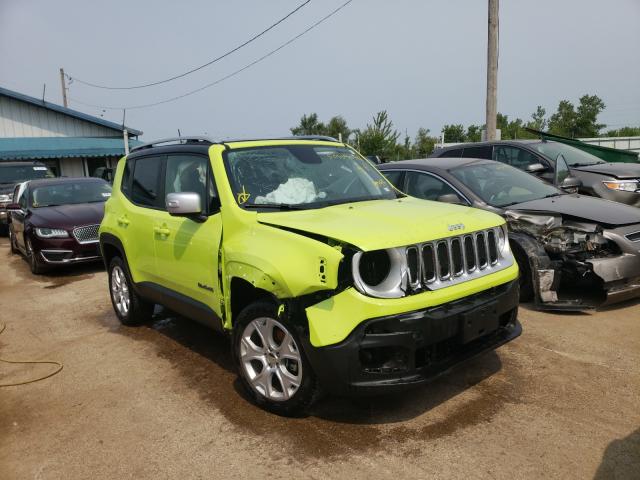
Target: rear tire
(272, 365)
(526, 275)
(131, 308)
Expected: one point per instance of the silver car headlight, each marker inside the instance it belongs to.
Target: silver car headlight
(51, 233)
(503, 241)
(622, 185)
(381, 273)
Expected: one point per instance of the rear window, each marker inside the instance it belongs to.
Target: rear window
(21, 173)
(454, 152)
(145, 185)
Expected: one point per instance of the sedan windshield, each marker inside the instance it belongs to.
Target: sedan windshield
(20, 173)
(501, 185)
(69, 193)
(302, 176)
(574, 156)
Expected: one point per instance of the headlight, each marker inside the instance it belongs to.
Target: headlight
(622, 185)
(51, 233)
(5, 198)
(381, 273)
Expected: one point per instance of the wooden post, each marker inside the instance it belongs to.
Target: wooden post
(64, 88)
(492, 71)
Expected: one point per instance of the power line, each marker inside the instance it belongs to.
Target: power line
(159, 82)
(226, 77)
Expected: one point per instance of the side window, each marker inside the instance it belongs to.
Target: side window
(514, 156)
(428, 187)
(483, 152)
(191, 173)
(395, 177)
(125, 184)
(562, 170)
(454, 152)
(145, 184)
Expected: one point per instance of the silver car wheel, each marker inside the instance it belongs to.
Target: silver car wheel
(270, 359)
(120, 291)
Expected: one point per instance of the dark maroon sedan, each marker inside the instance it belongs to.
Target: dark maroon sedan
(55, 221)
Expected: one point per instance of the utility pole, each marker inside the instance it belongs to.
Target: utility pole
(492, 71)
(64, 88)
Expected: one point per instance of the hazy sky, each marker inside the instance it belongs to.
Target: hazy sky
(422, 60)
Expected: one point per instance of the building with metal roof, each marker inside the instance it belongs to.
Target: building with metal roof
(70, 142)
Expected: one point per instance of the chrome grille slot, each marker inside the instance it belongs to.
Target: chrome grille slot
(86, 234)
(457, 259)
(481, 249)
(469, 253)
(428, 264)
(493, 246)
(413, 264)
(443, 261)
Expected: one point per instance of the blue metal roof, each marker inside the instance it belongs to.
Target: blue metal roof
(67, 111)
(28, 148)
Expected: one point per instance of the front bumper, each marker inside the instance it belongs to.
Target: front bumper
(65, 251)
(398, 351)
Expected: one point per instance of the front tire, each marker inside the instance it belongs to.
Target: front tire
(35, 264)
(272, 365)
(130, 308)
(526, 276)
(12, 242)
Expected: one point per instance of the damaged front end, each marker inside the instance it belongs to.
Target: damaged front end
(576, 264)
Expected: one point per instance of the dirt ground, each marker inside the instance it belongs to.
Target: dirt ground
(162, 401)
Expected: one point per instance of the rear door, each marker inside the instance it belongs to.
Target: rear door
(18, 216)
(187, 249)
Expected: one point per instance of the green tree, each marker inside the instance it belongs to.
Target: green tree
(338, 126)
(474, 133)
(453, 133)
(624, 132)
(538, 121)
(309, 125)
(569, 122)
(424, 144)
(378, 138)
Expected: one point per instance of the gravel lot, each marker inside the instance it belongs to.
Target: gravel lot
(162, 401)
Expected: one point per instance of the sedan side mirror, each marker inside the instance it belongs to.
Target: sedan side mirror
(571, 184)
(185, 204)
(451, 198)
(535, 168)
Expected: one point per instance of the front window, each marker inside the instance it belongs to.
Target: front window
(500, 185)
(69, 193)
(303, 176)
(574, 156)
(21, 173)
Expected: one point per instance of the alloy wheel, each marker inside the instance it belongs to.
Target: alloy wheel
(120, 291)
(270, 359)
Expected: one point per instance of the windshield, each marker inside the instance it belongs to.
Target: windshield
(69, 193)
(303, 176)
(574, 156)
(501, 185)
(20, 173)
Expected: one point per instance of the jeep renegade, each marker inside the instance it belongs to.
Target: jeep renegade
(321, 272)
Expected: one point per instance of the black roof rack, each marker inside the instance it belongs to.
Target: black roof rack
(321, 138)
(177, 140)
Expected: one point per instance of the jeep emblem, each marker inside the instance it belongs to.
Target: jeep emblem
(456, 226)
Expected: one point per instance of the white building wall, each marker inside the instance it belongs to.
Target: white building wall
(21, 119)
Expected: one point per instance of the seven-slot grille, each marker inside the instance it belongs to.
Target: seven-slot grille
(441, 263)
(86, 234)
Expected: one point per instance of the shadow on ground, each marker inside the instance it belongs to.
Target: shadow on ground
(621, 459)
(336, 426)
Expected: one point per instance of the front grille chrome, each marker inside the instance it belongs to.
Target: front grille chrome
(86, 234)
(442, 263)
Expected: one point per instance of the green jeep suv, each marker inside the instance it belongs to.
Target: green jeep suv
(321, 272)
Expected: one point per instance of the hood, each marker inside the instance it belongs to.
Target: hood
(593, 209)
(377, 224)
(618, 170)
(68, 216)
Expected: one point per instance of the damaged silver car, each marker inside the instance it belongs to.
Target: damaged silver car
(574, 252)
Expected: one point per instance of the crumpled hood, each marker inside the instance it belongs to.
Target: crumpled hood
(604, 212)
(618, 170)
(68, 216)
(377, 224)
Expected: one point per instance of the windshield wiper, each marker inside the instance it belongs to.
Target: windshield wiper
(279, 206)
(586, 164)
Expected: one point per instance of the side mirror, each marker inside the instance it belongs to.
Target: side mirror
(535, 168)
(184, 204)
(13, 207)
(570, 184)
(451, 198)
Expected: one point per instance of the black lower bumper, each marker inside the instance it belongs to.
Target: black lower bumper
(396, 352)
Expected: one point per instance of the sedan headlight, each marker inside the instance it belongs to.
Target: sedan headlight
(381, 273)
(51, 233)
(622, 185)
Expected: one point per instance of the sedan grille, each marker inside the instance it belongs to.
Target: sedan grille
(86, 234)
(442, 263)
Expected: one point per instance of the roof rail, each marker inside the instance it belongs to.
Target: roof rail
(325, 138)
(177, 140)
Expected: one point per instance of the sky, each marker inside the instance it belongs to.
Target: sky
(424, 61)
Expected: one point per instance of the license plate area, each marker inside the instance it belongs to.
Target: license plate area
(479, 322)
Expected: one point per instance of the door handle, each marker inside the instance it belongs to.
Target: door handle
(162, 230)
(123, 220)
